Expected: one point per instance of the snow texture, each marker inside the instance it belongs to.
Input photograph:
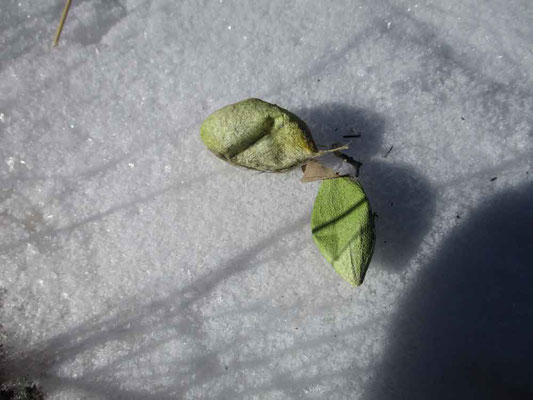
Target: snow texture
(136, 265)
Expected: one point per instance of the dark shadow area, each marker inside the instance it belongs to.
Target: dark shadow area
(330, 122)
(466, 329)
(399, 195)
(18, 387)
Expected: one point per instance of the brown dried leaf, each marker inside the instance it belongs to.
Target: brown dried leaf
(315, 171)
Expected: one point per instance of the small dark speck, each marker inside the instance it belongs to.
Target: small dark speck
(376, 215)
(226, 367)
(353, 134)
(458, 216)
(463, 118)
(318, 80)
(385, 241)
(296, 328)
(334, 335)
(336, 129)
(391, 203)
(493, 179)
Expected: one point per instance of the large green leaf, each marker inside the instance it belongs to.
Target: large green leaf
(343, 227)
(258, 135)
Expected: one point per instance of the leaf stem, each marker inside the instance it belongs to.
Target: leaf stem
(61, 22)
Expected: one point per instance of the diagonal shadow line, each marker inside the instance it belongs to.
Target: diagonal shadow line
(359, 233)
(98, 216)
(106, 166)
(65, 346)
(324, 61)
(309, 343)
(96, 385)
(426, 34)
(93, 377)
(339, 217)
(90, 382)
(146, 327)
(107, 390)
(291, 385)
(95, 217)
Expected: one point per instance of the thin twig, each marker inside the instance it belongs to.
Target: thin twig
(388, 152)
(61, 22)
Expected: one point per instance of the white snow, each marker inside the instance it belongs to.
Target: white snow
(136, 265)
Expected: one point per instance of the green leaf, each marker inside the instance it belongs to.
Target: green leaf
(343, 227)
(258, 135)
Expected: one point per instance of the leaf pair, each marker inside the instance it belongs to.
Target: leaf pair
(262, 136)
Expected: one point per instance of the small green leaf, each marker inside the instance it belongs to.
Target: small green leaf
(343, 227)
(258, 135)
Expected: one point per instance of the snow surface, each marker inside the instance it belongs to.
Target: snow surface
(136, 265)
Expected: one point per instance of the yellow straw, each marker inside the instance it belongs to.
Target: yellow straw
(61, 22)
